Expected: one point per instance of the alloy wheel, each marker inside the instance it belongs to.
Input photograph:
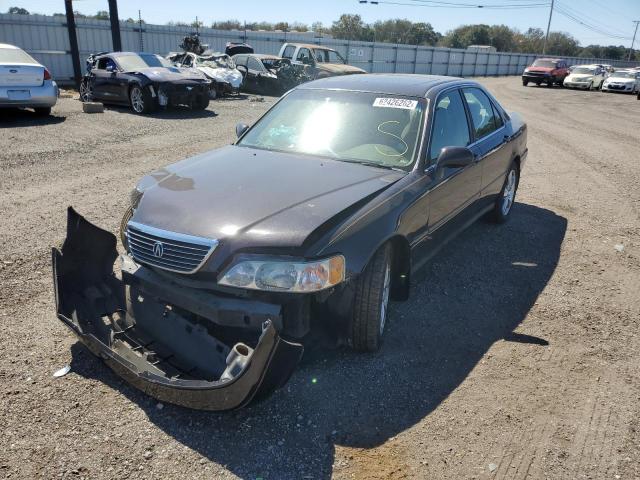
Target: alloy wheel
(509, 192)
(384, 304)
(86, 92)
(137, 102)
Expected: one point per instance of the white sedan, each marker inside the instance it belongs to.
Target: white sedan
(589, 77)
(623, 81)
(24, 83)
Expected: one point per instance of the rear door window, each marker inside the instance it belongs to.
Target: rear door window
(450, 126)
(482, 112)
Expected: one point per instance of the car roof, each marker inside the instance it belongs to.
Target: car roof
(549, 59)
(6, 45)
(410, 85)
(310, 45)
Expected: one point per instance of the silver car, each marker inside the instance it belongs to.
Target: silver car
(24, 83)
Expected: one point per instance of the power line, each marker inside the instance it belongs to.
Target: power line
(588, 25)
(437, 4)
(592, 21)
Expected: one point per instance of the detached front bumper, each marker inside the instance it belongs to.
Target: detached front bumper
(160, 347)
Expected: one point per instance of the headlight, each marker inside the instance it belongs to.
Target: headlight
(284, 276)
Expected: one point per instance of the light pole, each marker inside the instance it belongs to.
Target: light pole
(546, 38)
(634, 39)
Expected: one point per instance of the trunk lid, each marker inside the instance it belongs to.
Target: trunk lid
(21, 75)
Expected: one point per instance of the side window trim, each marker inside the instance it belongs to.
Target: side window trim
(475, 138)
(428, 164)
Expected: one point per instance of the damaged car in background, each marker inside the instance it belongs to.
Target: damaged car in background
(216, 66)
(309, 223)
(143, 81)
(269, 74)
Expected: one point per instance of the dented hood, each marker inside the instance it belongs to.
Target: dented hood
(170, 74)
(275, 199)
(228, 75)
(339, 69)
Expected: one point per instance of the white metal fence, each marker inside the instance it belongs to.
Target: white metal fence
(46, 38)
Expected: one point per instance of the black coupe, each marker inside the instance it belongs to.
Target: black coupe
(315, 218)
(144, 81)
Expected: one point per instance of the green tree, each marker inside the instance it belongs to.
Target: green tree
(18, 11)
(102, 15)
(348, 27)
(227, 25)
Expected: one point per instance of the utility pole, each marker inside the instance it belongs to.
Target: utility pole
(546, 38)
(115, 26)
(73, 42)
(634, 39)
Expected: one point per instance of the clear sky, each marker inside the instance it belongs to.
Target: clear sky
(611, 17)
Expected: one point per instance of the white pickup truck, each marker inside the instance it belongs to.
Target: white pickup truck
(321, 61)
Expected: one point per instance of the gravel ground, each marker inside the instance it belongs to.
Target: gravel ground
(517, 356)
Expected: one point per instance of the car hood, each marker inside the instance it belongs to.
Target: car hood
(170, 74)
(228, 75)
(620, 80)
(339, 68)
(580, 76)
(540, 69)
(264, 198)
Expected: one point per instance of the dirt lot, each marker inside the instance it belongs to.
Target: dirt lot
(517, 357)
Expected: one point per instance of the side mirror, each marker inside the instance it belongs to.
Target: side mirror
(241, 128)
(455, 157)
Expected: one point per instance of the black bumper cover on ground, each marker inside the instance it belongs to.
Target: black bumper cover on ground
(102, 311)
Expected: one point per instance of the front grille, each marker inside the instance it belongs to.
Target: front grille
(172, 251)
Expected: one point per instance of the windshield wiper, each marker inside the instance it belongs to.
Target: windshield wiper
(373, 164)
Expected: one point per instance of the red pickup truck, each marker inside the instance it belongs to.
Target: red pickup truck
(546, 70)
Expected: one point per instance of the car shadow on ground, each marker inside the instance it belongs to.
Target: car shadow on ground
(475, 292)
(17, 117)
(173, 113)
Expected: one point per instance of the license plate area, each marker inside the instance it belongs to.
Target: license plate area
(19, 94)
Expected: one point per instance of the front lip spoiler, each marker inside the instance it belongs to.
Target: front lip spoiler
(90, 298)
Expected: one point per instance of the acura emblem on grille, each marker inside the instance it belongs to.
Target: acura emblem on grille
(158, 249)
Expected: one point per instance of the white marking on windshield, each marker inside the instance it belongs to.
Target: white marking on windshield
(395, 103)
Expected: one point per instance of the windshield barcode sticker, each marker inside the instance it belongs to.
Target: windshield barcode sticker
(395, 103)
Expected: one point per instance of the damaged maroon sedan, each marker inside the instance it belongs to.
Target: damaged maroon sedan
(312, 221)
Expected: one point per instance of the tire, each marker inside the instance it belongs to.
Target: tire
(550, 83)
(538, 83)
(525, 83)
(123, 226)
(140, 99)
(200, 103)
(86, 90)
(371, 303)
(504, 203)
(43, 112)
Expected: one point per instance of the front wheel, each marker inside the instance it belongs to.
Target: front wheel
(200, 103)
(525, 83)
(371, 303)
(507, 196)
(141, 99)
(86, 90)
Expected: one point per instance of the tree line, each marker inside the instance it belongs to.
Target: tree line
(352, 27)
